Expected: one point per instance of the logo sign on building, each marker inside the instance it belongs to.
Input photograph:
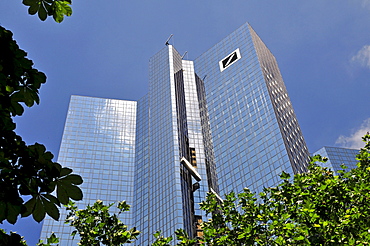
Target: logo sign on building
(229, 59)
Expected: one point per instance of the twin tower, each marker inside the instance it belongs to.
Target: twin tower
(216, 124)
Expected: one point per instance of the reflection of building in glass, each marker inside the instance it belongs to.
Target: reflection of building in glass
(338, 156)
(219, 123)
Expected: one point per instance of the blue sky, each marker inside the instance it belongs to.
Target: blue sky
(102, 50)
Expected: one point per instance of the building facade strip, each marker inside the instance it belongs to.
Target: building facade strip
(209, 159)
(165, 202)
(141, 210)
(287, 120)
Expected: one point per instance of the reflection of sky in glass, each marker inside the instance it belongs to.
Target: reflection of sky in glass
(338, 156)
(99, 144)
(248, 144)
(116, 124)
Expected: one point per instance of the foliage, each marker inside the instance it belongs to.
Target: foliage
(181, 236)
(12, 239)
(96, 225)
(161, 240)
(314, 208)
(52, 240)
(26, 170)
(44, 8)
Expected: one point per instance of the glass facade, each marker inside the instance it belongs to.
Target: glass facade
(169, 129)
(338, 156)
(199, 142)
(159, 158)
(99, 144)
(254, 129)
(220, 123)
(141, 208)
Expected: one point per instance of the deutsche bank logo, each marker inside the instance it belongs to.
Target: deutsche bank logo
(229, 60)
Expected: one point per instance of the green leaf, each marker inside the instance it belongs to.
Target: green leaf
(42, 13)
(51, 209)
(8, 88)
(47, 5)
(39, 211)
(52, 199)
(299, 238)
(61, 9)
(16, 108)
(13, 212)
(38, 78)
(51, 186)
(48, 156)
(52, 239)
(285, 175)
(65, 171)
(62, 194)
(33, 9)
(2, 211)
(73, 178)
(29, 2)
(38, 149)
(123, 206)
(74, 192)
(289, 226)
(29, 205)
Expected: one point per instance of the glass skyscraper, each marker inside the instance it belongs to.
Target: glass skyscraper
(219, 123)
(99, 144)
(255, 133)
(337, 157)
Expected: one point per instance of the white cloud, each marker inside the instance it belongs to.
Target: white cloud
(363, 56)
(354, 141)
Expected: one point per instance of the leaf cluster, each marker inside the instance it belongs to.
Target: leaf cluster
(12, 239)
(26, 170)
(96, 225)
(313, 208)
(44, 8)
(51, 240)
(181, 236)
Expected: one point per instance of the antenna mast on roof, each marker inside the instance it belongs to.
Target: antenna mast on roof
(168, 40)
(182, 57)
